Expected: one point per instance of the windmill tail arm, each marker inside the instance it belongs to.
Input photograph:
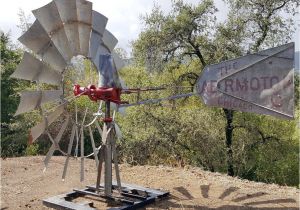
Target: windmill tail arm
(158, 100)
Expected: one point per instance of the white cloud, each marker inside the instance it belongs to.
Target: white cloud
(123, 16)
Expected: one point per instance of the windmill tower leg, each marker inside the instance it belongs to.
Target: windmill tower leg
(105, 154)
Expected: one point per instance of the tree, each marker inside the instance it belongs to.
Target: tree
(24, 21)
(189, 34)
(9, 60)
(12, 140)
(182, 35)
(265, 23)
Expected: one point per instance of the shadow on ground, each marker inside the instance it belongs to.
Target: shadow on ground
(229, 199)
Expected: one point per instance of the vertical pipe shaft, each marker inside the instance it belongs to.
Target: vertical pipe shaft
(108, 155)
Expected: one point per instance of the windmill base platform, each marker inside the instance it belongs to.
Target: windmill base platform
(131, 197)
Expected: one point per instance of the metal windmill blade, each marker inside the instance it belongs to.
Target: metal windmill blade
(108, 74)
(62, 30)
(40, 128)
(107, 62)
(33, 69)
(84, 11)
(98, 27)
(37, 40)
(55, 142)
(49, 18)
(31, 100)
(108, 43)
(109, 40)
(67, 10)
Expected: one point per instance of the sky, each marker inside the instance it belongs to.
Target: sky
(123, 16)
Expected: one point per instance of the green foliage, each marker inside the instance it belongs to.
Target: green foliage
(171, 52)
(14, 129)
(175, 47)
(11, 141)
(172, 132)
(9, 60)
(32, 150)
(175, 36)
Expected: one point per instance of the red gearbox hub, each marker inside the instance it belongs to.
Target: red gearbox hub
(100, 93)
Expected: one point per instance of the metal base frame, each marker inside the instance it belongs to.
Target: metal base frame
(130, 197)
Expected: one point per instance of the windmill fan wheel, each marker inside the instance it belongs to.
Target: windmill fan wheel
(67, 44)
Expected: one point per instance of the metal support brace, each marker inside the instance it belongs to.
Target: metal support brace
(130, 197)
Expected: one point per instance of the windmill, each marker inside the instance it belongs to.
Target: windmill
(68, 32)
(65, 33)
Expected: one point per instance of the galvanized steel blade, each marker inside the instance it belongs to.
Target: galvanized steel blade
(61, 42)
(37, 40)
(109, 40)
(69, 151)
(93, 146)
(40, 128)
(99, 22)
(56, 141)
(33, 69)
(95, 42)
(261, 83)
(102, 50)
(49, 18)
(31, 100)
(68, 12)
(106, 46)
(52, 56)
(84, 11)
(108, 74)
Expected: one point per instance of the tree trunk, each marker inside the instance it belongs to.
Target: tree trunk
(229, 130)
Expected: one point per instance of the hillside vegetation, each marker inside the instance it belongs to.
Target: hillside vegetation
(171, 51)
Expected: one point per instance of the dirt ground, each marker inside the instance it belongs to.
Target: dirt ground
(24, 186)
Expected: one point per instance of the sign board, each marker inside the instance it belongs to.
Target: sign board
(261, 83)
